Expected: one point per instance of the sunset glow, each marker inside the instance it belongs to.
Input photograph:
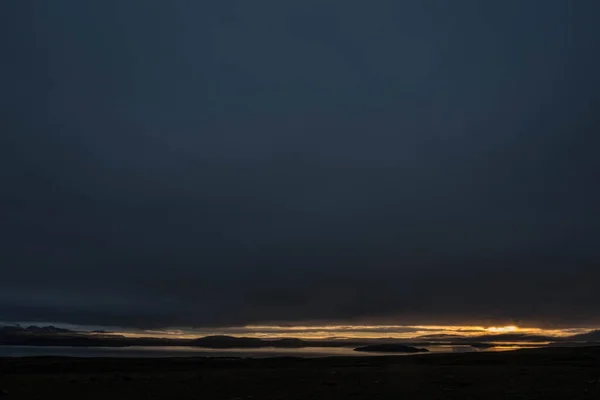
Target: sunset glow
(352, 331)
(502, 329)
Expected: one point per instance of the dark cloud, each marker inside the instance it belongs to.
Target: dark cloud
(201, 165)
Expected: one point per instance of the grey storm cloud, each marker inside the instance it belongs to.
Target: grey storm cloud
(229, 163)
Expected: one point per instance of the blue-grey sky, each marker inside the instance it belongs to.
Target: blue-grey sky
(190, 163)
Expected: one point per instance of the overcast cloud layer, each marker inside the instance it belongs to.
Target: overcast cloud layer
(193, 163)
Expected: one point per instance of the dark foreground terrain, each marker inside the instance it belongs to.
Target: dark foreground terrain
(557, 373)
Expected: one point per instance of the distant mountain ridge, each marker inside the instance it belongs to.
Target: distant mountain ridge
(592, 336)
(50, 329)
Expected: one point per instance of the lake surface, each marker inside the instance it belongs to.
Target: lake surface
(185, 351)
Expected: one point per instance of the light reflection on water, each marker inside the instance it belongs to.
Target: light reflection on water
(186, 351)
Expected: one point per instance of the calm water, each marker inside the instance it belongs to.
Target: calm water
(184, 351)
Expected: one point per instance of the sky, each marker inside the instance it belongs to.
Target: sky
(333, 162)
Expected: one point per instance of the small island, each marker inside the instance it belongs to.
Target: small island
(390, 348)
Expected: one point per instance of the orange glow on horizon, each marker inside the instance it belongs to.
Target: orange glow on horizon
(332, 332)
(502, 329)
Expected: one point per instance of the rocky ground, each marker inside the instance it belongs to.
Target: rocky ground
(525, 374)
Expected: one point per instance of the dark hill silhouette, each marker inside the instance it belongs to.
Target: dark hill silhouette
(47, 329)
(592, 336)
(52, 336)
